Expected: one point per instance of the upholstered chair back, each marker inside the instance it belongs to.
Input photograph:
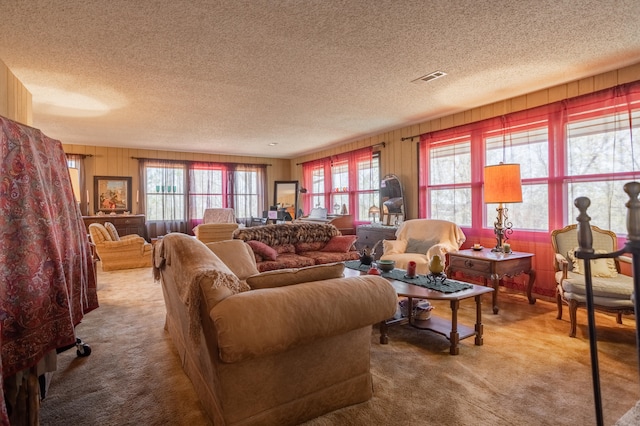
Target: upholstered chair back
(219, 216)
(566, 240)
(113, 232)
(99, 233)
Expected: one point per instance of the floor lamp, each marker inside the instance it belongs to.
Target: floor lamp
(502, 185)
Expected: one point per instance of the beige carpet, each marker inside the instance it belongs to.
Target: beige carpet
(528, 372)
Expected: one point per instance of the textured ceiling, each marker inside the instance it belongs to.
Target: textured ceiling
(234, 76)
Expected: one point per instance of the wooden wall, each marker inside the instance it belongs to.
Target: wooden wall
(107, 161)
(15, 99)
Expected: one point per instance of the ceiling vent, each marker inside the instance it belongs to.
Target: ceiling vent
(429, 77)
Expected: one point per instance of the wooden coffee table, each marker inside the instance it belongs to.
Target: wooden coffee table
(448, 328)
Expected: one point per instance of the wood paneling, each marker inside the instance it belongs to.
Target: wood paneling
(15, 99)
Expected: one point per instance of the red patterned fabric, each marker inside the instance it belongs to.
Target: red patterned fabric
(47, 281)
(285, 260)
(322, 257)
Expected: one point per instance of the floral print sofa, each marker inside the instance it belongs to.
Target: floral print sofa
(297, 244)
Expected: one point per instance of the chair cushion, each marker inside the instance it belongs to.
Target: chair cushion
(599, 267)
(113, 232)
(619, 287)
(419, 246)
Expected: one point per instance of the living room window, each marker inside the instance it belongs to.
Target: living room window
(165, 192)
(450, 180)
(177, 192)
(602, 154)
(354, 182)
(248, 191)
(208, 189)
(528, 146)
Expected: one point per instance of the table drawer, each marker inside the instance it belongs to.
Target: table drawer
(466, 263)
(127, 221)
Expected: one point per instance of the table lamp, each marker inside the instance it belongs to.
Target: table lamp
(502, 185)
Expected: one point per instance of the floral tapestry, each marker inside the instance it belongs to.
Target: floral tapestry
(47, 280)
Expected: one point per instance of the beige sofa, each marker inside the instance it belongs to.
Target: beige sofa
(264, 348)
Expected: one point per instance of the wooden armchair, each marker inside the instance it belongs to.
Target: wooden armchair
(115, 252)
(611, 289)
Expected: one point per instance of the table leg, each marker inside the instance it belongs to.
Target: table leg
(479, 327)
(384, 338)
(454, 337)
(532, 280)
(495, 282)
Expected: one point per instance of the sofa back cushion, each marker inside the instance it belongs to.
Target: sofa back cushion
(113, 232)
(237, 256)
(312, 246)
(283, 277)
(99, 233)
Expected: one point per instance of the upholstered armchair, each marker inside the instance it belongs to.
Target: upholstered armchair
(115, 252)
(419, 240)
(217, 225)
(611, 289)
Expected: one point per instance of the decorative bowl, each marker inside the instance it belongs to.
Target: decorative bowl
(386, 265)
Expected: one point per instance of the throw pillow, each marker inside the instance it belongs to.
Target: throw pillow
(260, 248)
(340, 243)
(603, 268)
(237, 255)
(283, 277)
(419, 246)
(113, 232)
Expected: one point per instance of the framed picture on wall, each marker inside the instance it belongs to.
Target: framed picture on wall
(112, 194)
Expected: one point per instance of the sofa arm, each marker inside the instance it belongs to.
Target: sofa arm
(268, 321)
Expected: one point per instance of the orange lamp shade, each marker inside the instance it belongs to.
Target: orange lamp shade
(502, 184)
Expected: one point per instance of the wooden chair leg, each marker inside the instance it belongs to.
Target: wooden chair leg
(619, 318)
(559, 302)
(573, 314)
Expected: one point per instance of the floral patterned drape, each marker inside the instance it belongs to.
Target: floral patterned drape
(47, 280)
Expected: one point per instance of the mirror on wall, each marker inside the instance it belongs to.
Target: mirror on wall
(392, 200)
(285, 197)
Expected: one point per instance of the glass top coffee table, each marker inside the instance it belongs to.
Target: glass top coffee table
(448, 328)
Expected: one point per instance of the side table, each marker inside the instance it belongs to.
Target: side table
(493, 266)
